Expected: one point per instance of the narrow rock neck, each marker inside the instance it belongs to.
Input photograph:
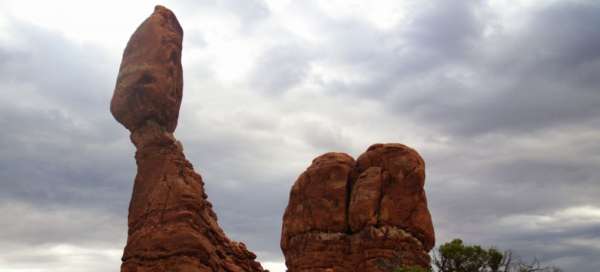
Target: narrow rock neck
(151, 134)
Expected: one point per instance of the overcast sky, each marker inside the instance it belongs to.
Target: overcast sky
(501, 98)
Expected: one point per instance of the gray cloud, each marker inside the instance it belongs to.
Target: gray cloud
(442, 69)
(52, 115)
(506, 84)
(292, 63)
(248, 11)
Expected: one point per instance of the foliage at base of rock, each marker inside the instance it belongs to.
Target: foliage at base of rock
(455, 256)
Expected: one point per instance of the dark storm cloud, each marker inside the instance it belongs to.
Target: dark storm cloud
(536, 78)
(53, 96)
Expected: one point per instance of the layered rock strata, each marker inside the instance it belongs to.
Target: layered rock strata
(172, 226)
(362, 215)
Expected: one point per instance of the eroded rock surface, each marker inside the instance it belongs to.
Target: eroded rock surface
(172, 226)
(150, 81)
(365, 215)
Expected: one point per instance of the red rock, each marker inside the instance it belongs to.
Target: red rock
(365, 199)
(150, 81)
(172, 226)
(318, 198)
(385, 222)
(403, 203)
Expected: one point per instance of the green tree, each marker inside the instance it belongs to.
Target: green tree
(455, 256)
(412, 269)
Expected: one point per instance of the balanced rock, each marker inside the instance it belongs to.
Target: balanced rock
(359, 216)
(150, 81)
(172, 226)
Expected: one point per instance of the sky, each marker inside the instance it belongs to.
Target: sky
(501, 98)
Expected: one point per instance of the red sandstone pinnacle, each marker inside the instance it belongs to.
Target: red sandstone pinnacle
(172, 226)
(359, 216)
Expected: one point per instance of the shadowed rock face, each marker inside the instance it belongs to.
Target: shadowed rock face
(365, 215)
(172, 226)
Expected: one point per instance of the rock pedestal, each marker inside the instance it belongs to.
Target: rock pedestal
(172, 226)
(368, 215)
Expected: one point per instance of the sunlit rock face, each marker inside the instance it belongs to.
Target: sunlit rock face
(172, 226)
(368, 214)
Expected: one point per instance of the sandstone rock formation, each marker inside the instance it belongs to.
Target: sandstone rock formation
(150, 81)
(172, 226)
(361, 216)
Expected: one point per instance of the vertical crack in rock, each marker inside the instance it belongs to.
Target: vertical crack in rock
(385, 222)
(349, 184)
(172, 226)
